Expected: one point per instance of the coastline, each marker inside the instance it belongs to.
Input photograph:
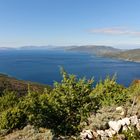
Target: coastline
(123, 59)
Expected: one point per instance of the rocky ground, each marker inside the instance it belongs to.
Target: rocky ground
(28, 133)
(113, 123)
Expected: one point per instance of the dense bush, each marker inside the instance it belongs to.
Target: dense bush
(12, 118)
(109, 92)
(7, 100)
(37, 109)
(71, 103)
(30, 104)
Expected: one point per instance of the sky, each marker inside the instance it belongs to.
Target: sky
(70, 22)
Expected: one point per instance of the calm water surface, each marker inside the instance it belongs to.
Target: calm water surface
(43, 66)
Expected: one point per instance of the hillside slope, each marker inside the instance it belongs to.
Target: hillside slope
(129, 55)
(94, 49)
(106, 51)
(19, 86)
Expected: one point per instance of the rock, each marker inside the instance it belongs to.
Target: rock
(115, 125)
(86, 135)
(110, 132)
(113, 129)
(125, 121)
(134, 120)
(121, 137)
(95, 134)
(138, 126)
(125, 128)
(99, 132)
(121, 110)
(102, 133)
(104, 138)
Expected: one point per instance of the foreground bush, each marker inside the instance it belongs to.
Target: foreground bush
(8, 100)
(12, 118)
(110, 93)
(71, 103)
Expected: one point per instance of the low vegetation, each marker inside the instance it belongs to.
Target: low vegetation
(19, 86)
(67, 108)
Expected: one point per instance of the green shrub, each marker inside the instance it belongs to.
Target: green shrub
(35, 106)
(8, 100)
(71, 103)
(31, 106)
(109, 92)
(134, 91)
(12, 118)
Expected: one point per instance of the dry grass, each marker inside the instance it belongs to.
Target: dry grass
(29, 133)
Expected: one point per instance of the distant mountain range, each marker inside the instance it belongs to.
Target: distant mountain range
(99, 50)
(94, 49)
(27, 48)
(6, 48)
(36, 47)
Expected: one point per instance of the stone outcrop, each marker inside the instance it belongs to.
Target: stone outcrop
(115, 128)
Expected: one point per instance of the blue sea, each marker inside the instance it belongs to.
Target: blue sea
(43, 66)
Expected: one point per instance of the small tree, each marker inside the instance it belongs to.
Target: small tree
(71, 103)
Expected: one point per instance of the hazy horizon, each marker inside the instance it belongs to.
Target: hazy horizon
(66, 23)
(125, 47)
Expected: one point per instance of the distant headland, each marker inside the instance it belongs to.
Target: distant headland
(99, 50)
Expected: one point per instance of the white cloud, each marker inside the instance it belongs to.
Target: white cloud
(115, 31)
